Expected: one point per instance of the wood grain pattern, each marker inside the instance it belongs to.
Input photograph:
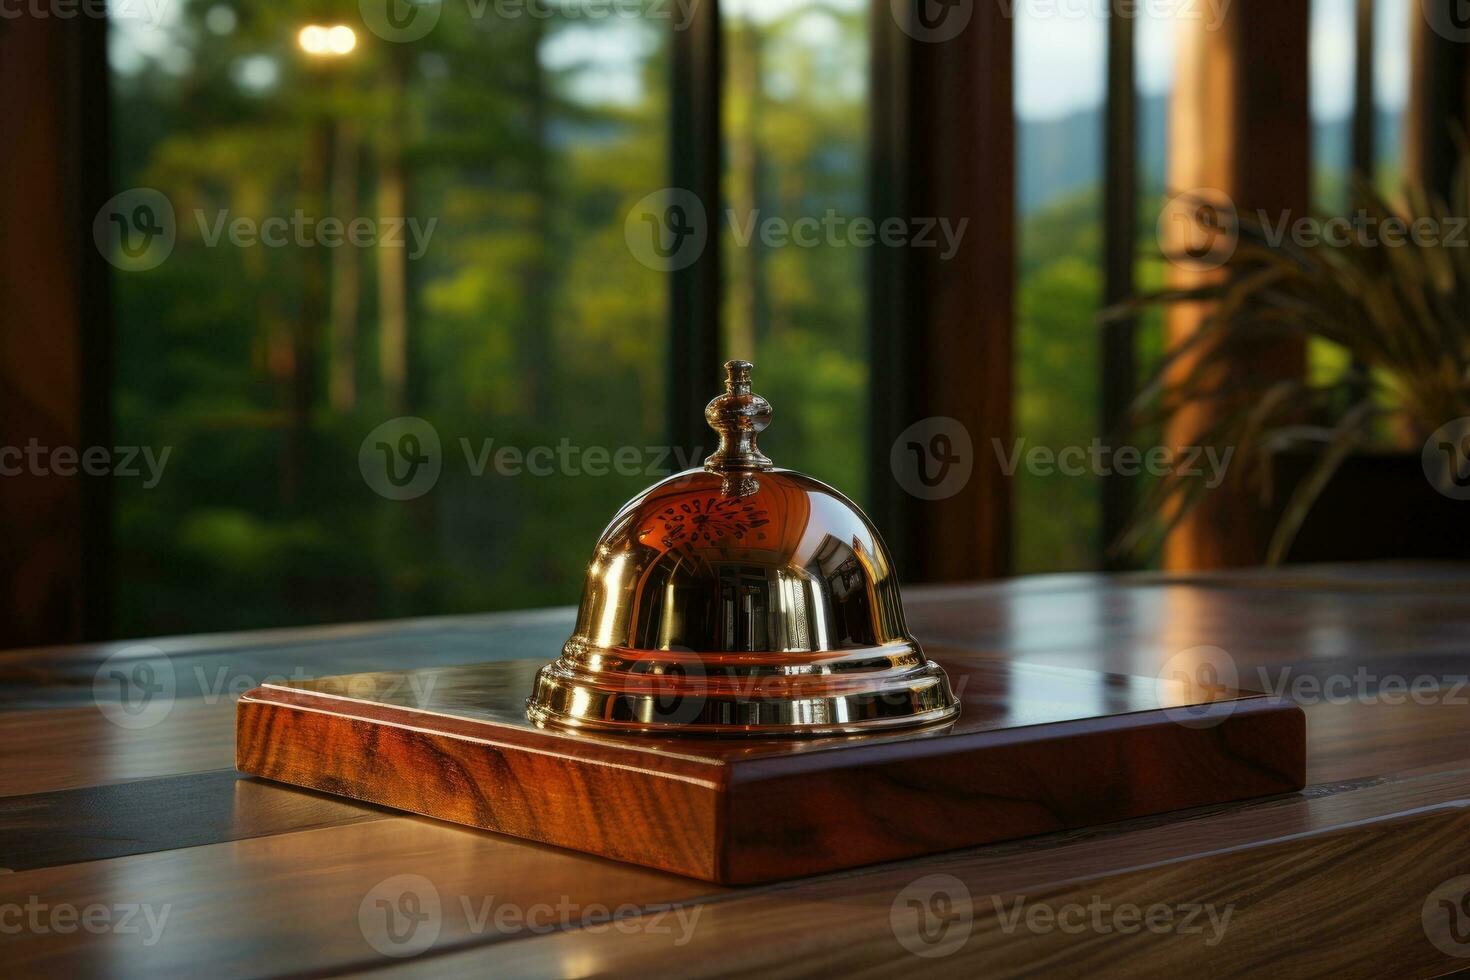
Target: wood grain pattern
(141, 816)
(609, 808)
(1036, 749)
(76, 747)
(293, 903)
(279, 893)
(1326, 885)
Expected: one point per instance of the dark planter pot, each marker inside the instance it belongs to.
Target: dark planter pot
(1378, 505)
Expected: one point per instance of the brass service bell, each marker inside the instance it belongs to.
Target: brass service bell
(741, 599)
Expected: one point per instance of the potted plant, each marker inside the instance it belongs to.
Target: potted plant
(1365, 458)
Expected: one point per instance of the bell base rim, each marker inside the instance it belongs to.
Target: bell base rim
(899, 695)
(935, 718)
(603, 662)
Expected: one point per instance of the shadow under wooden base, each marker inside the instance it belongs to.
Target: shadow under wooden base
(1036, 749)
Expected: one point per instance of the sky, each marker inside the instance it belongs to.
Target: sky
(1061, 50)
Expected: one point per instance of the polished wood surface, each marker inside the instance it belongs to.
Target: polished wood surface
(1036, 749)
(262, 879)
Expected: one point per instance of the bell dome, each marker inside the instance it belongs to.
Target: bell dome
(739, 598)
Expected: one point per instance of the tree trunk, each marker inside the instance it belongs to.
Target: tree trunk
(536, 337)
(310, 314)
(393, 258)
(346, 276)
(750, 309)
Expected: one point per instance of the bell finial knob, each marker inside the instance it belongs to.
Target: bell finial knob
(739, 415)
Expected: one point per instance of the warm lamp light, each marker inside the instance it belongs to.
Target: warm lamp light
(326, 42)
(341, 39)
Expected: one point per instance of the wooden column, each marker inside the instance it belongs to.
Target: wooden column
(1439, 100)
(1239, 123)
(944, 148)
(55, 360)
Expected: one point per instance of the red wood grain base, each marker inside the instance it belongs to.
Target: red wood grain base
(1036, 749)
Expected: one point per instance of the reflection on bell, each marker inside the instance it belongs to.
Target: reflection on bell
(741, 599)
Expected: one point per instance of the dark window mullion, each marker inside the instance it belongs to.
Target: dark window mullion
(892, 361)
(1119, 229)
(1364, 161)
(694, 164)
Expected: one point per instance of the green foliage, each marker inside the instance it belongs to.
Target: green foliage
(529, 323)
(1060, 286)
(795, 121)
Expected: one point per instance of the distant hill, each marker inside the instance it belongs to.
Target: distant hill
(1065, 154)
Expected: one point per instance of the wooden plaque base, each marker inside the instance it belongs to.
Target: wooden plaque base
(1036, 749)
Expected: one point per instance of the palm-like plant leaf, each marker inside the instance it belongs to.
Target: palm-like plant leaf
(1396, 313)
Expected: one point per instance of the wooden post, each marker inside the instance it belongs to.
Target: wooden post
(55, 350)
(943, 149)
(1239, 124)
(1439, 74)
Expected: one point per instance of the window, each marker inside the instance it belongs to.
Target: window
(795, 143)
(482, 325)
(1060, 64)
(1333, 66)
(493, 161)
(492, 321)
(1390, 90)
